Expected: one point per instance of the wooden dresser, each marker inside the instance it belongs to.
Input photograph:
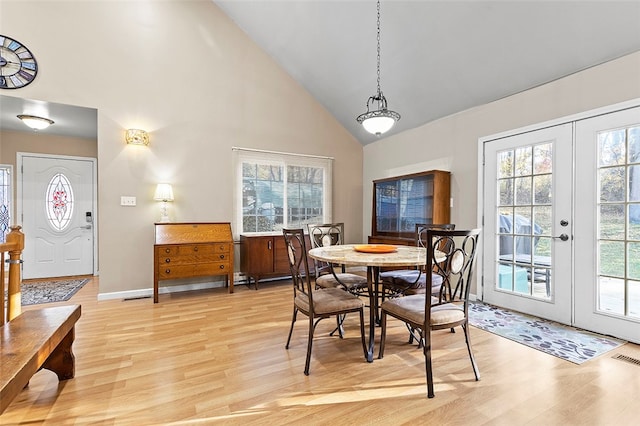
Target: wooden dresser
(187, 250)
(265, 256)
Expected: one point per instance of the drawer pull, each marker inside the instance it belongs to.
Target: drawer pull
(222, 256)
(221, 266)
(195, 248)
(166, 271)
(167, 250)
(167, 260)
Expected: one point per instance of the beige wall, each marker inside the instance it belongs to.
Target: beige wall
(12, 142)
(451, 143)
(184, 72)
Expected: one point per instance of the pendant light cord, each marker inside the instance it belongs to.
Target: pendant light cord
(379, 92)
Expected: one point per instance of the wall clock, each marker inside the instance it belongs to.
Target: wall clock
(18, 67)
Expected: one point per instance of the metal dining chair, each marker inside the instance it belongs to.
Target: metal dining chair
(423, 313)
(332, 234)
(316, 303)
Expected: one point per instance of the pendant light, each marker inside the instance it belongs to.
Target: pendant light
(380, 120)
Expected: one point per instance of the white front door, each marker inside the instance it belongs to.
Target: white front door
(56, 200)
(527, 256)
(607, 228)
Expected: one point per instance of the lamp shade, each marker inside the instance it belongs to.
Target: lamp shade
(378, 125)
(164, 192)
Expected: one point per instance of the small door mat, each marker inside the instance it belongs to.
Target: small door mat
(37, 292)
(556, 339)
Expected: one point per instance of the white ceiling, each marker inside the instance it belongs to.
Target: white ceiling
(438, 57)
(68, 120)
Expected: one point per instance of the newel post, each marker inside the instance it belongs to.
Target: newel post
(14, 300)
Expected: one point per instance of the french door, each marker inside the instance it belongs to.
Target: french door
(527, 261)
(607, 252)
(561, 209)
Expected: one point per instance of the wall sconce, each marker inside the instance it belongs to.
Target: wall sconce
(137, 137)
(164, 193)
(35, 122)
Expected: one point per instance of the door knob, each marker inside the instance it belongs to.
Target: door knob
(563, 237)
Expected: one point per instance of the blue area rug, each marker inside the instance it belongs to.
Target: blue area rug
(559, 340)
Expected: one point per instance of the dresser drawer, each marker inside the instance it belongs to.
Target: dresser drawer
(191, 249)
(167, 272)
(193, 258)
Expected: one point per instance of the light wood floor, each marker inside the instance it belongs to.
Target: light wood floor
(209, 357)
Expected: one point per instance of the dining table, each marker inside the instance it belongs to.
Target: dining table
(374, 257)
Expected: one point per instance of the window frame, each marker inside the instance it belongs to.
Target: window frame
(281, 159)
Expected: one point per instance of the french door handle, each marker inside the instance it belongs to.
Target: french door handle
(563, 237)
(85, 227)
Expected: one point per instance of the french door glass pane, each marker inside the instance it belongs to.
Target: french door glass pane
(611, 295)
(523, 219)
(634, 299)
(619, 221)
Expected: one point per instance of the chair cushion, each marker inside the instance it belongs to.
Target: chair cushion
(329, 301)
(447, 313)
(404, 282)
(411, 308)
(408, 277)
(348, 280)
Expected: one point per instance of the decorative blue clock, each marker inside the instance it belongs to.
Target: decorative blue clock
(18, 67)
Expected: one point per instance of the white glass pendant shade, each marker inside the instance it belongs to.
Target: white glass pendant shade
(378, 125)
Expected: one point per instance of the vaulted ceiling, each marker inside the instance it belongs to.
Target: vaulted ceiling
(437, 57)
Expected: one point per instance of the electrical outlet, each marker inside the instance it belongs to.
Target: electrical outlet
(128, 201)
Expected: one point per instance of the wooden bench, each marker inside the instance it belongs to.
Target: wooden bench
(35, 339)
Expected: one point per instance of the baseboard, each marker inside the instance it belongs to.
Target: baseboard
(148, 292)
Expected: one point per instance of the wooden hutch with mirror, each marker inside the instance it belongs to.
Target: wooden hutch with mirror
(400, 202)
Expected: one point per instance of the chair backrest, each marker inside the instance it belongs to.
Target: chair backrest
(423, 241)
(459, 251)
(323, 235)
(422, 228)
(298, 263)
(326, 234)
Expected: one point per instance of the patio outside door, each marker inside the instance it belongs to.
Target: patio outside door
(527, 263)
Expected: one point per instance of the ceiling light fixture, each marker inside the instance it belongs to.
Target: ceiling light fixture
(381, 120)
(35, 122)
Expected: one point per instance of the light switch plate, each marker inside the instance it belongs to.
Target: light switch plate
(128, 201)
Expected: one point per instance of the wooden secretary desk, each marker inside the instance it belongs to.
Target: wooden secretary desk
(187, 250)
